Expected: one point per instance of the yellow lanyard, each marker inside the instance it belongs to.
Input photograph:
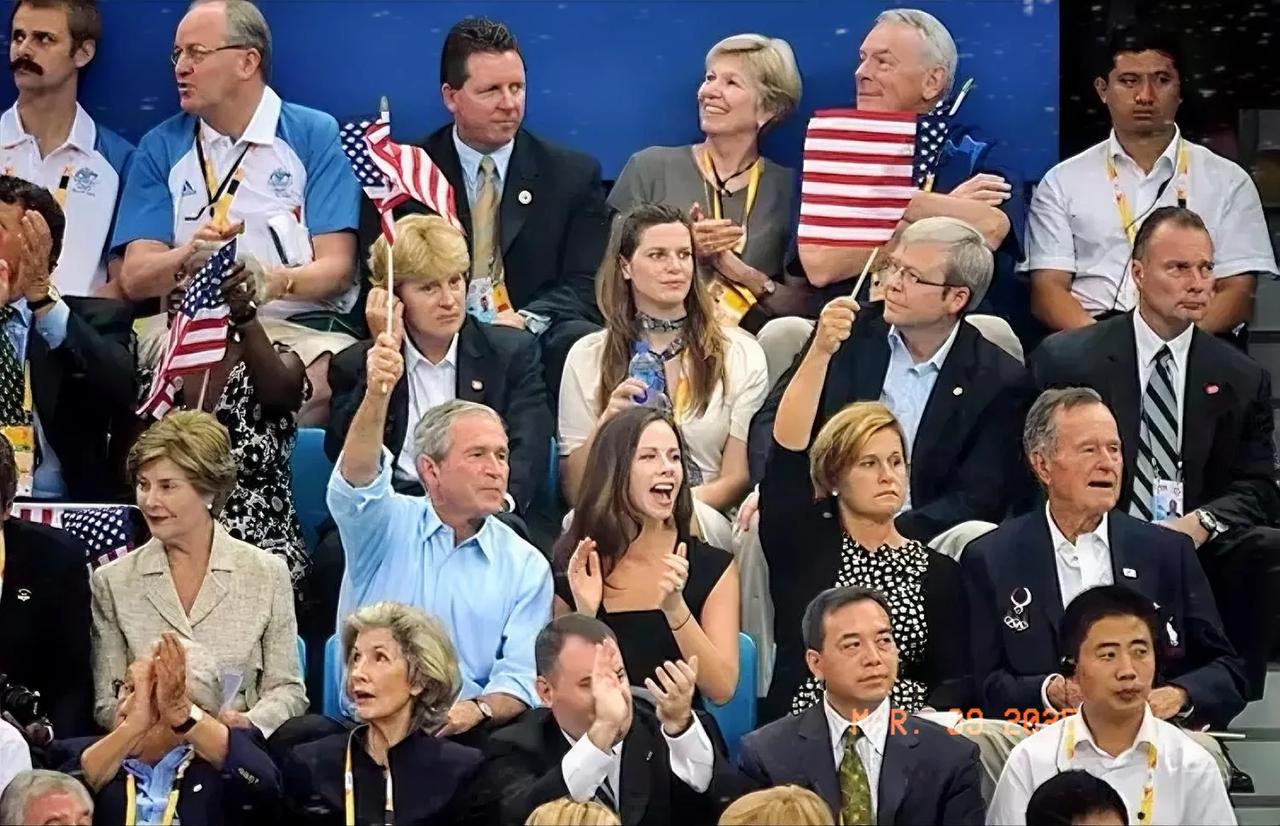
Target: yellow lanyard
(349, 789)
(220, 193)
(60, 194)
(1148, 804)
(1182, 176)
(170, 809)
(753, 187)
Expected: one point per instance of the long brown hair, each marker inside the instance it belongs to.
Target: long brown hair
(605, 511)
(704, 341)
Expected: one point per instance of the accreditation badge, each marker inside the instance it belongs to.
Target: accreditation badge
(23, 439)
(480, 301)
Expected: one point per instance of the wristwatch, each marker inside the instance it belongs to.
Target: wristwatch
(50, 297)
(1210, 523)
(196, 716)
(485, 710)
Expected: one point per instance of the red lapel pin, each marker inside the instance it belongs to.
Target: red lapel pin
(1211, 389)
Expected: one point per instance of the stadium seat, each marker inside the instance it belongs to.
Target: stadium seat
(332, 699)
(302, 656)
(552, 491)
(738, 716)
(311, 470)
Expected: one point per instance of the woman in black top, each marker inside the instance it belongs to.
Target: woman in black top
(826, 519)
(627, 557)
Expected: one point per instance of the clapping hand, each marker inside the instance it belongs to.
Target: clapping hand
(671, 585)
(173, 703)
(586, 581)
(610, 695)
(137, 710)
(673, 692)
(33, 257)
(712, 236)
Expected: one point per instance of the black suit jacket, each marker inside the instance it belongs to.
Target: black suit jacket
(45, 622)
(927, 775)
(497, 366)
(966, 462)
(552, 240)
(80, 389)
(522, 771)
(1157, 562)
(1228, 456)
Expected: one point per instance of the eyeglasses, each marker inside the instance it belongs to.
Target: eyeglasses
(195, 55)
(893, 269)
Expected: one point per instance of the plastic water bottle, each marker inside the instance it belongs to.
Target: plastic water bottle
(647, 368)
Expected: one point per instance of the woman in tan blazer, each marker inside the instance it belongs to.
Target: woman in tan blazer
(194, 579)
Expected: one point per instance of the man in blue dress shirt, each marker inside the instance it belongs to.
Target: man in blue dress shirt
(443, 552)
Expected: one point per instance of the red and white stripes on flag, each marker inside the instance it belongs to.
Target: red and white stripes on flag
(410, 171)
(857, 179)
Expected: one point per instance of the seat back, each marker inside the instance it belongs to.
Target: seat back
(311, 470)
(997, 331)
(737, 717)
(302, 657)
(332, 697)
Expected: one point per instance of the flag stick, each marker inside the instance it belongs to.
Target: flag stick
(866, 268)
(204, 385)
(384, 107)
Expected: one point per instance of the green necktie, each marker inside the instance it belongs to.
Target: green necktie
(12, 385)
(855, 788)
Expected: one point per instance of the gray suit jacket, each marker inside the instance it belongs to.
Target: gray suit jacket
(243, 614)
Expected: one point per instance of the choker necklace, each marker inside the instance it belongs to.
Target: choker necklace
(659, 325)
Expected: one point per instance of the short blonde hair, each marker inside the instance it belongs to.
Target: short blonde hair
(427, 249)
(431, 662)
(566, 812)
(771, 65)
(778, 806)
(843, 438)
(198, 444)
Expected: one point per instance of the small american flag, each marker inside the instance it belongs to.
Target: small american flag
(375, 184)
(107, 531)
(860, 171)
(198, 333)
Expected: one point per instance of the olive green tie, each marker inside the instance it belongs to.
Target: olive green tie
(855, 788)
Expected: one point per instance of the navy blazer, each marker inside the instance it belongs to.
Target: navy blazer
(966, 462)
(1155, 561)
(928, 775)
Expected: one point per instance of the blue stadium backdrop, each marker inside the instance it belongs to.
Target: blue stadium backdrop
(605, 77)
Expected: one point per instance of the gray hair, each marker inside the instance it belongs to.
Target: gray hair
(969, 260)
(432, 436)
(938, 46)
(430, 660)
(1040, 433)
(247, 27)
(771, 66)
(33, 783)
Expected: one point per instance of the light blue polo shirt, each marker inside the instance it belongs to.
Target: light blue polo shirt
(294, 169)
(95, 161)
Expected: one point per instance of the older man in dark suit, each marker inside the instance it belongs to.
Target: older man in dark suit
(870, 762)
(1022, 576)
(1195, 420)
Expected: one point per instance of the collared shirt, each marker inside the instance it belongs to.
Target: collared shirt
(470, 159)
(492, 591)
(907, 385)
(1148, 345)
(429, 384)
(1188, 786)
(95, 161)
(1074, 224)
(869, 747)
(155, 782)
(585, 767)
(15, 754)
(1084, 564)
(294, 175)
(46, 479)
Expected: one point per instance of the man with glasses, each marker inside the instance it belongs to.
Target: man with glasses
(238, 160)
(959, 398)
(48, 139)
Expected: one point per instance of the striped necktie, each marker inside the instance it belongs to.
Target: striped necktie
(1157, 437)
(855, 787)
(485, 260)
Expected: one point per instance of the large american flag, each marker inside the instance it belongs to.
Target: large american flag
(198, 333)
(107, 532)
(391, 173)
(861, 169)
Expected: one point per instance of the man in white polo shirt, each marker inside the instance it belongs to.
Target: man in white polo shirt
(48, 139)
(1087, 210)
(272, 171)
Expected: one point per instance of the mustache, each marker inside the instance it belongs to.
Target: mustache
(26, 63)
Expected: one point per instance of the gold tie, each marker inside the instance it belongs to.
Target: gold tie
(485, 261)
(855, 786)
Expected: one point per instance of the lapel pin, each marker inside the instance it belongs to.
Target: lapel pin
(1013, 618)
(957, 391)
(1130, 573)
(1211, 389)
(525, 197)
(477, 385)
(23, 595)
(197, 787)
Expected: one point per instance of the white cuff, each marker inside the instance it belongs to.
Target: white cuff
(691, 756)
(584, 768)
(1044, 691)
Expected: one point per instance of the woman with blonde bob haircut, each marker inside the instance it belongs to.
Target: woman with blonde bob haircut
(402, 675)
(742, 217)
(192, 578)
(779, 806)
(827, 514)
(567, 812)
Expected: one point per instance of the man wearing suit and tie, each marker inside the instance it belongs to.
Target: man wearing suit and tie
(1022, 576)
(1195, 421)
(869, 762)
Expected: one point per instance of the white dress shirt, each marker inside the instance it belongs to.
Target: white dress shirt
(585, 767)
(1188, 786)
(1084, 564)
(15, 754)
(469, 159)
(1148, 345)
(429, 384)
(869, 747)
(1074, 224)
